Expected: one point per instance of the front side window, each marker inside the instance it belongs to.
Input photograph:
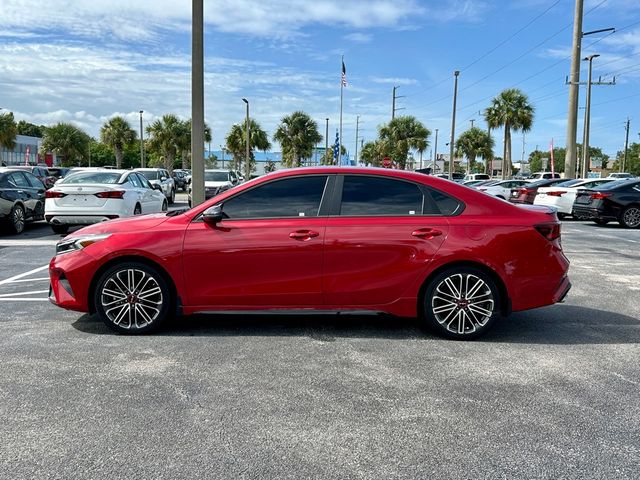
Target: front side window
(19, 180)
(289, 197)
(372, 196)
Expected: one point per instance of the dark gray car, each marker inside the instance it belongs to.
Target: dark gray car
(21, 199)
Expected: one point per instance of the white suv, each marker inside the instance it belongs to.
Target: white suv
(161, 177)
(543, 176)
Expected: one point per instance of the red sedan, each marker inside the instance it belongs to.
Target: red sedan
(329, 239)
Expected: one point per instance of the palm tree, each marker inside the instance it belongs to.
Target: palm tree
(184, 143)
(68, 141)
(403, 134)
(472, 143)
(8, 131)
(297, 134)
(236, 144)
(374, 152)
(117, 134)
(511, 109)
(165, 138)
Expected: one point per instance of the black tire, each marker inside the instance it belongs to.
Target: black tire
(60, 229)
(119, 300)
(172, 197)
(630, 217)
(38, 213)
(448, 311)
(562, 216)
(17, 219)
(137, 210)
(600, 221)
(165, 206)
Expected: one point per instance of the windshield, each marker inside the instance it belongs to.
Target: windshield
(568, 183)
(150, 174)
(91, 177)
(216, 176)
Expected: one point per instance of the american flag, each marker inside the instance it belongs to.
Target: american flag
(336, 149)
(344, 74)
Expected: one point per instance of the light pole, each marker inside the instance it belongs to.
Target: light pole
(435, 152)
(247, 167)
(197, 103)
(453, 124)
(587, 120)
(223, 151)
(326, 138)
(141, 141)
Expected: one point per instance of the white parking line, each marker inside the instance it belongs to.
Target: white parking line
(27, 243)
(16, 277)
(41, 279)
(6, 295)
(24, 299)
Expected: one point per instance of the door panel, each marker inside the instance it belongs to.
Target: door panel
(254, 263)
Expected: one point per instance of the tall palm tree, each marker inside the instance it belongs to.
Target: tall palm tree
(472, 143)
(403, 134)
(67, 141)
(8, 131)
(297, 135)
(117, 134)
(511, 109)
(374, 152)
(184, 143)
(236, 144)
(165, 138)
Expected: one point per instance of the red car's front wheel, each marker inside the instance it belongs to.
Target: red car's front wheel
(132, 298)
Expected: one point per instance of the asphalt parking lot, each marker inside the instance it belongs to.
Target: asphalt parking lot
(549, 393)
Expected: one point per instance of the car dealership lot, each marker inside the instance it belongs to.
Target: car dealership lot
(549, 393)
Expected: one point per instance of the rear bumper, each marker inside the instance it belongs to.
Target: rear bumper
(593, 213)
(562, 290)
(79, 219)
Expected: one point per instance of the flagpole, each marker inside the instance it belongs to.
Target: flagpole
(340, 137)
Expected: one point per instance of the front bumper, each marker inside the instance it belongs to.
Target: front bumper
(70, 276)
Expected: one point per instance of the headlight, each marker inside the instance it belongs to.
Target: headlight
(78, 243)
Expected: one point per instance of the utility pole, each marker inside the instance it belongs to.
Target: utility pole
(197, 103)
(523, 144)
(326, 138)
(453, 124)
(626, 147)
(393, 103)
(472, 120)
(247, 156)
(587, 121)
(574, 79)
(435, 152)
(357, 124)
(141, 141)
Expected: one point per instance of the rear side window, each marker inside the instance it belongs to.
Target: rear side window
(445, 205)
(34, 181)
(371, 196)
(19, 180)
(289, 197)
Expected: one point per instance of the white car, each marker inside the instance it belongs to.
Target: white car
(216, 181)
(502, 189)
(161, 177)
(562, 195)
(98, 195)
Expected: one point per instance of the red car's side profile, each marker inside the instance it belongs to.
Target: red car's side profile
(326, 238)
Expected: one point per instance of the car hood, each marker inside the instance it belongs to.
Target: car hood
(215, 184)
(131, 224)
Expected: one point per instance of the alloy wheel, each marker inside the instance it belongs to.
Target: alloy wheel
(631, 217)
(462, 303)
(131, 299)
(17, 219)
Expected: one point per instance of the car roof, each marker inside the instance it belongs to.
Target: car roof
(148, 169)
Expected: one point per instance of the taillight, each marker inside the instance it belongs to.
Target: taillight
(482, 189)
(525, 191)
(550, 231)
(556, 194)
(110, 194)
(50, 194)
(600, 195)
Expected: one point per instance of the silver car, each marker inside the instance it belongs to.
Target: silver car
(161, 177)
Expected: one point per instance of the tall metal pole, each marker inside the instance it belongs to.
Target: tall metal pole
(197, 103)
(357, 124)
(490, 159)
(453, 124)
(342, 82)
(587, 121)
(247, 155)
(141, 141)
(574, 80)
(223, 150)
(326, 138)
(393, 103)
(626, 148)
(435, 152)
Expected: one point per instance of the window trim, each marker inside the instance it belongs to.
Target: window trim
(327, 195)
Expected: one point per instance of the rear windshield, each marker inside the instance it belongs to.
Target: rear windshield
(216, 176)
(616, 184)
(568, 183)
(541, 183)
(150, 174)
(91, 177)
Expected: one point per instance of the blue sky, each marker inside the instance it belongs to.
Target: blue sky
(85, 61)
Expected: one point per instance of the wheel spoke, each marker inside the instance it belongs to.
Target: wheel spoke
(444, 308)
(149, 293)
(455, 290)
(480, 310)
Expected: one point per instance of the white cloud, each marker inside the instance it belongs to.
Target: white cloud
(394, 80)
(358, 37)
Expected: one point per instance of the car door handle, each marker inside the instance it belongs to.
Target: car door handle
(426, 233)
(303, 234)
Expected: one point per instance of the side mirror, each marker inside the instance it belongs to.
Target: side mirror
(155, 186)
(163, 178)
(213, 215)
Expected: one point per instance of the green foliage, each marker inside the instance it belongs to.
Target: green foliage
(403, 134)
(166, 134)
(510, 109)
(327, 158)
(632, 165)
(184, 143)
(8, 131)
(211, 161)
(472, 143)
(236, 145)
(536, 162)
(67, 141)
(373, 153)
(118, 134)
(30, 129)
(270, 166)
(297, 135)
